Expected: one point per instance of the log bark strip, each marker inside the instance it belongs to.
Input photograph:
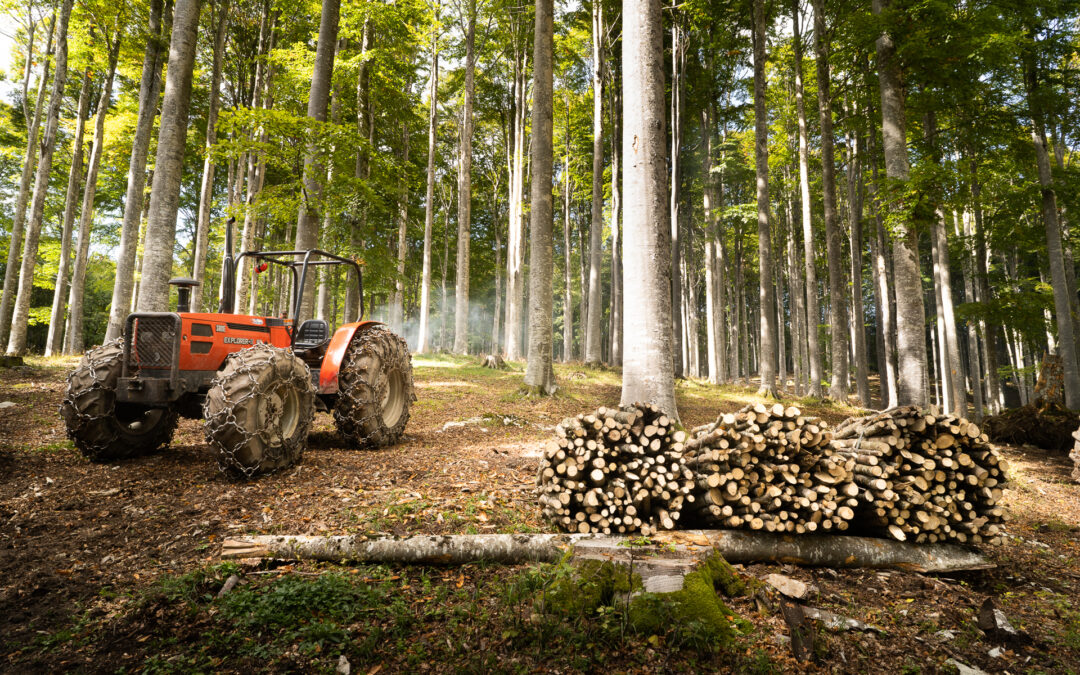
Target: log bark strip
(511, 549)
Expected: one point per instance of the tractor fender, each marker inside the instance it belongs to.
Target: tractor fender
(335, 354)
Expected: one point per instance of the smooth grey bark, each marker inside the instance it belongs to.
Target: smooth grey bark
(539, 373)
(423, 337)
(716, 353)
(262, 96)
(1067, 347)
(157, 262)
(75, 176)
(11, 278)
(365, 130)
(648, 355)
(973, 362)
(592, 321)
(910, 313)
(464, 209)
(515, 245)
(21, 312)
(766, 291)
(951, 368)
(882, 289)
(615, 313)
(798, 308)
(74, 340)
(678, 65)
(993, 399)
(307, 221)
(206, 190)
(496, 326)
(858, 320)
(813, 313)
(397, 302)
(568, 298)
(28, 66)
(838, 314)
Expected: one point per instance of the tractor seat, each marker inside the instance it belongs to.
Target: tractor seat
(312, 335)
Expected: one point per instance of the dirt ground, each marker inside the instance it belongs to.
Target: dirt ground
(89, 552)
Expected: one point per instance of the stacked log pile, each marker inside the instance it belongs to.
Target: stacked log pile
(905, 473)
(770, 468)
(924, 476)
(614, 472)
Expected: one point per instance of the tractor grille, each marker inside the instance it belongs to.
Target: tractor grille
(153, 340)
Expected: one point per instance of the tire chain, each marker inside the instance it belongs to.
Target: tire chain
(94, 360)
(246, 366)
(389, 359)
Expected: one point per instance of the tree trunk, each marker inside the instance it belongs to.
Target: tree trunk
(596, 231)
(307, 222)
(882, 289)
(678, 65)
(11, 279)
(206, 190)
(648, 356)
(798, 310)
(461, 311)
(733, 546)
(993, 399)
(910, 319)
(838, 319)
(21, 313)
(616, 235)
(858, 319)
(974, 364)
(496, 328)
(714, 319)
(365, 131)
(813, 313)
(397, 303)
(56, 318)
(73, 341)
(539, 374)
(422, 338)
(157, 262)
(515, 248)
(1062, 302)
(568, 297)
(767, 353)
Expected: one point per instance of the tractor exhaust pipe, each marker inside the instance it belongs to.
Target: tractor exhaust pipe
(228, 273)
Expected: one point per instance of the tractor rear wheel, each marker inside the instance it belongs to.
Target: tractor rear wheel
(102, 428)
(259, 410)
(375, 389)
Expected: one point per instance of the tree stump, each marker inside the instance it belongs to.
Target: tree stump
(1050, 387)
(493, 361)
(1075, 456)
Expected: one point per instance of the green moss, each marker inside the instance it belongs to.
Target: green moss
(696, 611)
(583, 588)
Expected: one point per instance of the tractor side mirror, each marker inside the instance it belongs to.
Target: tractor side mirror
(183, 292)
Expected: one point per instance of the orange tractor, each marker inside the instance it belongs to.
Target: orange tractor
(255, 380)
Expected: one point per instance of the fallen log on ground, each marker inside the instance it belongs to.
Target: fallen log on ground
(734, 546)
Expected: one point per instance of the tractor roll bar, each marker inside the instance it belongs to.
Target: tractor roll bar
(299, 270)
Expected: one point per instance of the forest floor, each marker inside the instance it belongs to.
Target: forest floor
(115, 567)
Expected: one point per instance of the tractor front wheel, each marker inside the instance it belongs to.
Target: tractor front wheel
(259, 411)
(375, 389)
(103, 429)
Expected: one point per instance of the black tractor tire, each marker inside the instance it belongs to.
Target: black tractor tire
(102, 429)
(259, 410)
(375, 389)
